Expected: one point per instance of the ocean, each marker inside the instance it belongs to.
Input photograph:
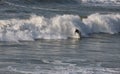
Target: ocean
(38, 37)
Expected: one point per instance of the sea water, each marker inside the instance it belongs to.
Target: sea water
(96, 55)
(38, 37)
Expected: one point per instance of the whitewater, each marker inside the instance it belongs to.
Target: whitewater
(57, 27)
(59, 24)
(39, 37)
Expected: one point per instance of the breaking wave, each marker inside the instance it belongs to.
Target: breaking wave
(106, 23)
(57, 27)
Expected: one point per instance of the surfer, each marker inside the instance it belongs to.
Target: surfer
(78, 32)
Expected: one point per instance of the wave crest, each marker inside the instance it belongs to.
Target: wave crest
(106, 23)
(58, 27)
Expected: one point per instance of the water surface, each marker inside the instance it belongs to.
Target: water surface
(99, 54)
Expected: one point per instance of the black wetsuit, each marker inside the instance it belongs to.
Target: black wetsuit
(77, 31)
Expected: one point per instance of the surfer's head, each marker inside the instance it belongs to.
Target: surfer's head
(78, 32)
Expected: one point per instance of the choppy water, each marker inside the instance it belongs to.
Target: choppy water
(99, 54)
(34, 37)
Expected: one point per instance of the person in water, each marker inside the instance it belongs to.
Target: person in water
(78, 32)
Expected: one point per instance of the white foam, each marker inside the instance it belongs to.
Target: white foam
(67, 70)
(60, 67)
(58, 27)
(106, 23)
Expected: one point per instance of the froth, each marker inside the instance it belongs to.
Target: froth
(106, 23)
(58, 27)
(68, 70)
